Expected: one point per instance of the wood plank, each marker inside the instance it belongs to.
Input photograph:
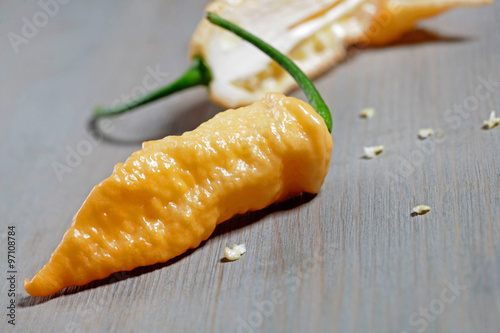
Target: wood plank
(350, 259)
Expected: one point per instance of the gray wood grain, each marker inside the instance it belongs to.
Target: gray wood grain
(350, 259)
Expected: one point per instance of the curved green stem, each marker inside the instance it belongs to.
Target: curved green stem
(198, 74)
(303, 81)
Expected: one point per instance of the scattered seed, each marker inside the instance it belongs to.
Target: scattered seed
(367, 113)
(492, 122)
(372, 152)
(424, 133)
(234, 253)
(421, 209)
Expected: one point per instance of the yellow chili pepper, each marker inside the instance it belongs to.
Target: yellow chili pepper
(169, 196)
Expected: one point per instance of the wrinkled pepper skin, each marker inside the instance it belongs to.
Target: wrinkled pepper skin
(169, 196)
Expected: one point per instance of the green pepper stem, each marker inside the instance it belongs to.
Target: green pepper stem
(303, 81)
(198, 74)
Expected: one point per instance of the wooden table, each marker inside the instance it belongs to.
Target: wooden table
(351, 259)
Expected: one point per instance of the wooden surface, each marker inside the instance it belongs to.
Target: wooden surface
(351, 259)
